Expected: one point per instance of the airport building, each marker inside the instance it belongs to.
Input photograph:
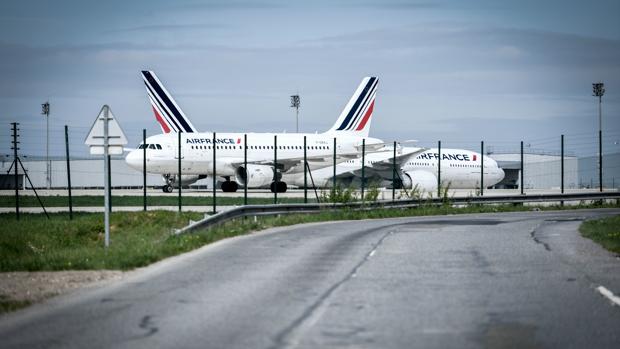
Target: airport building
(85, 173)
(542, 170)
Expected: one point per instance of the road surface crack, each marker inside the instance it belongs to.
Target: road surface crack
(287, 337)
(147, 324)
(536, 240)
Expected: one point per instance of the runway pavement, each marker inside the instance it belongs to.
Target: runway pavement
(525, 280)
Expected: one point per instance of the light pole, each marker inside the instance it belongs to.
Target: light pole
(598, 90)
(45, 107)
(295, 102)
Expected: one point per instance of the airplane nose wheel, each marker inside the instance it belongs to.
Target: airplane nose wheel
(282, 187)
(230, 186)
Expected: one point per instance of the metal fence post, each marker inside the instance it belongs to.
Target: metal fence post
(334, 174)
(305, 174)
(214, 171)
(180, 181)
(600, 159)
(144, 169)
(481, 168)
(522, 176)
(68, 172)
(363, 165)
(275, 169)
(394, 173)
(562, 164)
(245, 166)
(439, 169)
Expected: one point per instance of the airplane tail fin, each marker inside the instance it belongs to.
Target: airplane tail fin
(167, 112)
(357, 114)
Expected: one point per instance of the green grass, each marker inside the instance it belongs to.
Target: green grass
(172, 200)
(605, 231)
(137, 239)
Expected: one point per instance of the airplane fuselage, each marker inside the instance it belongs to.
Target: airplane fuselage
(197, 151)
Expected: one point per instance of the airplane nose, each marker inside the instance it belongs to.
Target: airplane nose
(500, 174)
(134, 159)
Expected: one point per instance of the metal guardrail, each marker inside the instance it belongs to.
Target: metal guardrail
(271, 210)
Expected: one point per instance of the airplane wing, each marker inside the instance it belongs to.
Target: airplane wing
(383, 168)
(296, 165)
(388, 164)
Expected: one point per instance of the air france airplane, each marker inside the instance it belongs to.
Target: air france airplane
(416, 168)
(197, 148)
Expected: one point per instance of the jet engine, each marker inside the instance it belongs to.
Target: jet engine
(255, 176)
(425, 181)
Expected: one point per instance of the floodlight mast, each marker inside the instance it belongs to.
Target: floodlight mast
(295, 103)
(598, 90)
(45, 110)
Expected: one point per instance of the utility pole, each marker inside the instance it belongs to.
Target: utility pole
(15, 148)
(295, 103)
(45, 110)
(598, 90)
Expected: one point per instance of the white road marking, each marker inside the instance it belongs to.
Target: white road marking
(609, 295)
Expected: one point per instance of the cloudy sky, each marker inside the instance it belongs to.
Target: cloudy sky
(459, 71)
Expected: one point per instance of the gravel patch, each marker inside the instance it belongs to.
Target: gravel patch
(36, 286)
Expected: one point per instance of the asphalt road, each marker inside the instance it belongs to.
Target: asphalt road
(525, 280)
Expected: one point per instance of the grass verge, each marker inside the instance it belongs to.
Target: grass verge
(35, 243)
(605, 231)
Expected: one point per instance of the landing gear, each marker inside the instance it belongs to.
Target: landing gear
(169, 179)
(229, 186)
(281, 188)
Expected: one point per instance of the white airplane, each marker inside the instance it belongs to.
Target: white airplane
(416, 167)
(350, 129)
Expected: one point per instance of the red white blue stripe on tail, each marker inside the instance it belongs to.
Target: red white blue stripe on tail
(357, 113)
(167, 112)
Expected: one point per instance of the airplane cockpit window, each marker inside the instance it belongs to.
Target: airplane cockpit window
(150, 146)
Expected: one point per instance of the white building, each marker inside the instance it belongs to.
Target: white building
(85, 173)
(541, 170)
